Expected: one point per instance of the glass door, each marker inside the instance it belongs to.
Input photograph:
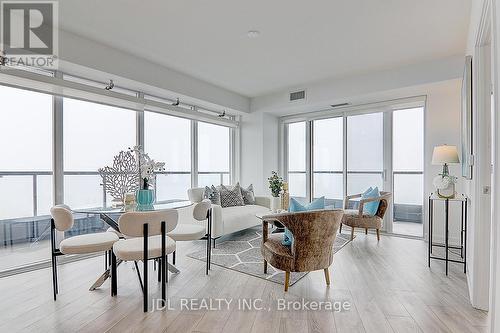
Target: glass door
(365, 152)
(297, 161)
(328, 156)
(350, 152)
(408, 166)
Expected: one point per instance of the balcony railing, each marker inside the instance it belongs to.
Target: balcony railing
(36, 222)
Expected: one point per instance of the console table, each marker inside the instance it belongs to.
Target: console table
(463, 230)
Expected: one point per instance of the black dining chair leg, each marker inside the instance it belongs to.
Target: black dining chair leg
(114, 283)
(139, 276)
(105, 259)
(173, 258)
(145, 268)
(208, 244)
(54, 276)
(210, 237)
(159, 269)
(54, 257)
(163, 268)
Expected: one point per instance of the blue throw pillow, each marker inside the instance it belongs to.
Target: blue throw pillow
(367, 191)
(296, 206)
(370, 208)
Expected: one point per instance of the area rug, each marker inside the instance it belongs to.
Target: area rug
(241, 252)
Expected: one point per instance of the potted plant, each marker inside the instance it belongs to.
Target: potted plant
(276, 186)
(147, 168)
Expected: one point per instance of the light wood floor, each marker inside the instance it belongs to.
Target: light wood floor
(388, 284)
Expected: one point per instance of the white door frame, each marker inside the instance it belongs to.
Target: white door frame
(495, 138)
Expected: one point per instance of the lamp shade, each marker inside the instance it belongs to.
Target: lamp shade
(445, 154)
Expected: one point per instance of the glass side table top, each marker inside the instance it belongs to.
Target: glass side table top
(134, 208)
(457, 197)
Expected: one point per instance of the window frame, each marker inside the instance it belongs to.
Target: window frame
(384, 107)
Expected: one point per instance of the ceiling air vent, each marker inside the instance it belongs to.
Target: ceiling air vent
(297, 95)
(340, 105)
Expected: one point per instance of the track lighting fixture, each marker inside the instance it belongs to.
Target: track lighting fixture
(177, 102)
(110, 85)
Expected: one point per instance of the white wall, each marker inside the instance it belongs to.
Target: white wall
(361, 88)
(259, 150)
(479, 226)
(495, 230)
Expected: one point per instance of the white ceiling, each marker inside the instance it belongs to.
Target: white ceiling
(300, 41)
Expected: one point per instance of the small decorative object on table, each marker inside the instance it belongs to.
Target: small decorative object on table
(121, 178)
(444, 182)
(276, 186)
(147, 168)
(129, 199)
(133, 171)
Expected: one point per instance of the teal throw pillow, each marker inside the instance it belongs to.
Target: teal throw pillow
(370, 208)
(296, 206)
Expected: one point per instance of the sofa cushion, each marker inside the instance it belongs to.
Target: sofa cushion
(248, 195)
(213, 194)
(230, 197)
(237, 218)
(352, 219)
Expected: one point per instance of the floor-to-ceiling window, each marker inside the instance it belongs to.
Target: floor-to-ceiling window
(93, 135)
(348, 152)
(296, 152)
(408, 167)
(328, 166)
(43, 136)
(214, 154)
(365, 152)
(25, 176)
(168, 139)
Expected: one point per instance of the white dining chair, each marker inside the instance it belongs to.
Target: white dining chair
(62, 220)
(146, 239)
(191, 232)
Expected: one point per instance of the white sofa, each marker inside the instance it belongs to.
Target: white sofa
(231, 219)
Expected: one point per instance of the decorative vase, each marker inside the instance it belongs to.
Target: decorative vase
(145, 197)
(448, 192)
(275, 204)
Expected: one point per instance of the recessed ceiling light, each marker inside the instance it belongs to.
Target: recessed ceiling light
(253, 33)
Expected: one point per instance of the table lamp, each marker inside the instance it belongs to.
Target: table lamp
(444, 183)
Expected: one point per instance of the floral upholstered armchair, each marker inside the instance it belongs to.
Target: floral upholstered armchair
(355, 218)
(312, 247)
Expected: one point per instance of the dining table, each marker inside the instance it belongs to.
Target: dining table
(110, 215)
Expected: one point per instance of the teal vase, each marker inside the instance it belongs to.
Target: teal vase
(145, 197)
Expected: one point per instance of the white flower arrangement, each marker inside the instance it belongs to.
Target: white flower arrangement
(147, 167)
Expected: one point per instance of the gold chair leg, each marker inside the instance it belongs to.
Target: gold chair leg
(327, 276)
(352, 233)
(378, 234)
(366, 231)
(265, 267)
(287, 280)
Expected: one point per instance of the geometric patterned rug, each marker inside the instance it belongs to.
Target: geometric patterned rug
(241, 252)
